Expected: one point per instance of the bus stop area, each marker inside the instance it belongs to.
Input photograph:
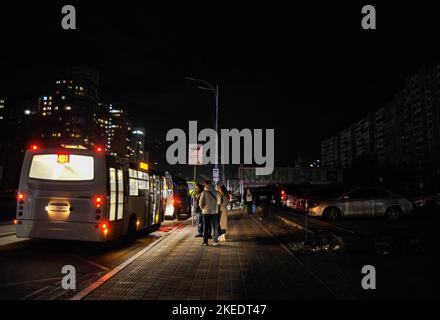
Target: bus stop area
(252, 264)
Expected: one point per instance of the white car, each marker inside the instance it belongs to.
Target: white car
(363, 202)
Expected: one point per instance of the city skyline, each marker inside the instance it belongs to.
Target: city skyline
(219, 152)
(258, 67)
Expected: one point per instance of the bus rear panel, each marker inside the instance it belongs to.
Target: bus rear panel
(82, 195)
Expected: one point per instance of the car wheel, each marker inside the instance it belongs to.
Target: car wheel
(332, 213)
(394, 213)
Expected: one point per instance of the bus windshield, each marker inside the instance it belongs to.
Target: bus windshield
(62, 167)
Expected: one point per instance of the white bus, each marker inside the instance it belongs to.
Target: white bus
(72, 193)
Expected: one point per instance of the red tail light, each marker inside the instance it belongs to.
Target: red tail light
(34, 147)
(104, 228)
(283, 195)
(99, 149)
(99, 201)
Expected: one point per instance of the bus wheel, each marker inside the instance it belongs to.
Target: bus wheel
(132, 225)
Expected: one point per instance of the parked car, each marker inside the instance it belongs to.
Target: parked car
(426, 202)
(363, 202)
(296, 197)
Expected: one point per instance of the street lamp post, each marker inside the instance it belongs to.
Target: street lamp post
(211, 88)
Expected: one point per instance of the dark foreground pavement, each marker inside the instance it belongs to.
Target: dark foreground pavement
(253, 265)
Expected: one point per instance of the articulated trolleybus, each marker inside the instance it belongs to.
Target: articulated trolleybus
(72, 193)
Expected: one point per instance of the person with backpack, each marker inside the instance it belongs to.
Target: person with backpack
(208, 204)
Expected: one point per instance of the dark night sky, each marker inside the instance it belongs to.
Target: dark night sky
(306, 71)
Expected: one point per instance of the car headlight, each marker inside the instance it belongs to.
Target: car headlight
(313, 205)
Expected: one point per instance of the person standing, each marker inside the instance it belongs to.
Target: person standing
(208, 204)
(249, 199)
(223, 201)
(198, 210)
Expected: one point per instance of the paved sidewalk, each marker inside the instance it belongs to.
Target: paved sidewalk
(250, 265)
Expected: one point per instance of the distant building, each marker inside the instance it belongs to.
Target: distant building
(330, 152)
(66, 115)
(138, 152)
(74, 114)
(303, 161)
(119, 131)
(345, 148)
(17, 130)
(2, 109)
(292, 176)
(404, 134)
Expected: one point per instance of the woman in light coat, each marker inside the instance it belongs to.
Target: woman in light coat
(222, 202)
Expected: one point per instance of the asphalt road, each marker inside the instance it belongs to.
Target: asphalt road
(31, 269)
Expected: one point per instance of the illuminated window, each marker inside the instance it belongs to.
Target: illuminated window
(112, 176)
(134, 187)
(120, 194)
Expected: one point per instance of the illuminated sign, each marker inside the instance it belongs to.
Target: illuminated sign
(143, 165)
(63, 158)
(68, 146)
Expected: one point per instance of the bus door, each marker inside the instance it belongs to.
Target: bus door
(146, 195)
(164, 198)
(158, 199)
(152, 211)
(116, 201)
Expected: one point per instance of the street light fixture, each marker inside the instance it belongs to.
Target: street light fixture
(211, 88)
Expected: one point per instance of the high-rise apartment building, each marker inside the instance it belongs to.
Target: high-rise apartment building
(404, 134)
(66, 115)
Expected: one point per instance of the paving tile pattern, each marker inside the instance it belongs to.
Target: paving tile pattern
(250, 265)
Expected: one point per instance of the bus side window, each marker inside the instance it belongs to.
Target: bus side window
(120, 194)
(112, 177)
(134, 187)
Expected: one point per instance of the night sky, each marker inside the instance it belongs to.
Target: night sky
(305, 70)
